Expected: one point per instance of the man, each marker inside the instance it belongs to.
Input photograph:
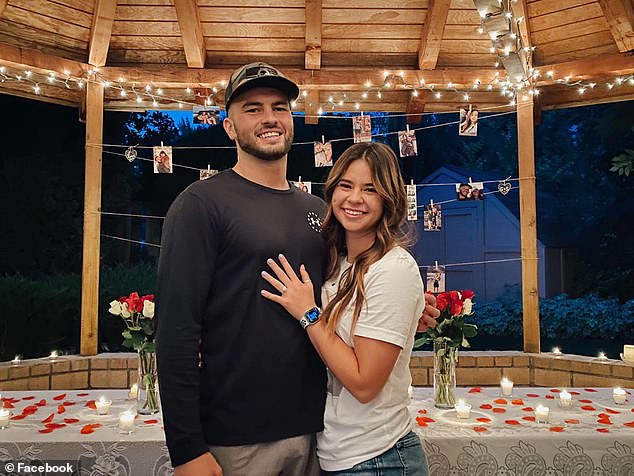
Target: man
(257, 399)
(464, 191)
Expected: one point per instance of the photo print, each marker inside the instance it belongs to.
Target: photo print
(468, 121)
(432, 217)
(206, 173)
(435, 280)
(470, 191)
(323, 154)
(412, 203)
(362, 129)
(407, 144)
(305, 186)
(207, 115)
(162, 159)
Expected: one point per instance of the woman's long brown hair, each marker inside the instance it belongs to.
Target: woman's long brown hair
(390, 232)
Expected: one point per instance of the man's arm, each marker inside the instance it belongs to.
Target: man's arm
(186, 264)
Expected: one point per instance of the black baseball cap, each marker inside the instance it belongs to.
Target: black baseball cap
(254, 75)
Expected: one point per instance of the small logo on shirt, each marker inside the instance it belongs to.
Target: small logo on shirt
(314, 221)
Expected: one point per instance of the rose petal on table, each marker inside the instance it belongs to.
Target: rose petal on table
(573, 392)
(475, 390)
(629, 424)
(150, 422)
(479, 429)
(603, 430)
(87, 429)
(55, 426)
(557, 429)
(550, 397)
(41, 403)
(59, 397)
(484, 420)
(613, 412)
(501, 401)
(30, 397)
(30, 410)
(499, 410)
(588, 408)
(518, 401)
(426, 419)
(91, 404)
(96, 425)
(71, 420)
(61, 409)
(46, 430)
(532, 395)
(528, 409)
(591, 390)
(555, 390)
(512, 422)
(10, 400)
(49, 418)
(83, 394)
(421, 422)
(19, 417)
(603, 415)
(604, 421)
(68, 403)
(585, 401)
(528, 418)
(486, 406)
(423, 411)
(572, 421)
(8, 405)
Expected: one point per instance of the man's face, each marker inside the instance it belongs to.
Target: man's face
(464, 191)
(260, 122)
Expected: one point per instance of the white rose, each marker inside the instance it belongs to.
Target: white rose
(148, 309)
(124, 310)
(115, 308)
(467, 306)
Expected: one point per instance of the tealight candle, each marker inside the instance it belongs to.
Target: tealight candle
(126, 422)
(602, 357)
(53, 355)
(103, 405)
(463, 410)
(557, 352)
(134, 391)
(619, 395)
(5, 418)
(541, 414)
(507, 387)
(16, 360)
(565, 398)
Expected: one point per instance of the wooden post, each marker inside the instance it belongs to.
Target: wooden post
(528, 223)
(92, 219)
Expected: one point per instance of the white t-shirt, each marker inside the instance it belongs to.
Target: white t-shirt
(355, 432)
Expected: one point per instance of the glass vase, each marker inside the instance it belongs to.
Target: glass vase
(147, 401)
(445, 360)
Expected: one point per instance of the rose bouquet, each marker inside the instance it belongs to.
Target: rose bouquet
(450, 333)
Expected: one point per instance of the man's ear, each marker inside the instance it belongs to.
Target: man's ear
(229, 129)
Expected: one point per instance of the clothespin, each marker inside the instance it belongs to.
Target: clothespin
(436, 264)
(161, 144)
(411, 182)
(323, 140)
(407, 127)
(470, 182)
(507, 178)
(208, 168)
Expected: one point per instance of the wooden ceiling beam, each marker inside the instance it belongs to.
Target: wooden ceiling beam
(311, 107)
(598, 66)
(101, 31)
(13, 56)
(3, 5)
(432, 33)
(519, 11)
(416, 107)
(191, 32)
(620, 17)
(313, 34)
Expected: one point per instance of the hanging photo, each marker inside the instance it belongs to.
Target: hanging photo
(470, 191)
(207, 115)
(305, 186)
(206, 173)
(435, 281)
(412, 203)
(407, 144)
(162, 159)
(477, 191)
(362, 128)
(468, 121)
(323, 154)
(432, 218)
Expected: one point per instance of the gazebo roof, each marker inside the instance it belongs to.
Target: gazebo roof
(386, 55)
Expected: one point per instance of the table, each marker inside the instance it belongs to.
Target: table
(589, 439)
(453, 447)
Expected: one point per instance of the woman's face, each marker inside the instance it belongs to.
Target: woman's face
(355, 202)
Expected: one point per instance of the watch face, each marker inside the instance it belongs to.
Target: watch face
(313, 314)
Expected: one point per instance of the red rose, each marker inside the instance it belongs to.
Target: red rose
(135, 303)
(467, 294)
(454, 296)
(442, 301)
(147, 297)
(456, 307)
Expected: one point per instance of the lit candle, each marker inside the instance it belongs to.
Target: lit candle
(463, 410)
(602, 357)
(557, 352)
(134, 391)
(619, 395)
(565, 398)
(126, 422)
(4, 418)
(103, 405)
(16, 360)
(541, 414)
(507, 387)
(53, 355)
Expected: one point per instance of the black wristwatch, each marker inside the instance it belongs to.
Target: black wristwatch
(310, 317)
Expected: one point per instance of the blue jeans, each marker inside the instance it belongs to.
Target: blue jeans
(405, 458)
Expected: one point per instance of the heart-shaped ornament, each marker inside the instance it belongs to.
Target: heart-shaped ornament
(504, 187)
(130, 154)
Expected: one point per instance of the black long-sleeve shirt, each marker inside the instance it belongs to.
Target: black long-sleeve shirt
(260, 379)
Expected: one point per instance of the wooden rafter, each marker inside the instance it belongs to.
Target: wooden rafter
(3, 5)
(519, 11)
(313, 34)
(590, 68)
(191, 32)
(311, 106)
(432, 33)
(102, 21)
(620, 17)
(416, 107)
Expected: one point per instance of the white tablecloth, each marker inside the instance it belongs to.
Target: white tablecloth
(453, 447)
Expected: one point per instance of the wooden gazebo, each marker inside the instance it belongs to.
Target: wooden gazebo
(409, 56)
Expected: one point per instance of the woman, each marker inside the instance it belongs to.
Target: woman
(373, 296)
